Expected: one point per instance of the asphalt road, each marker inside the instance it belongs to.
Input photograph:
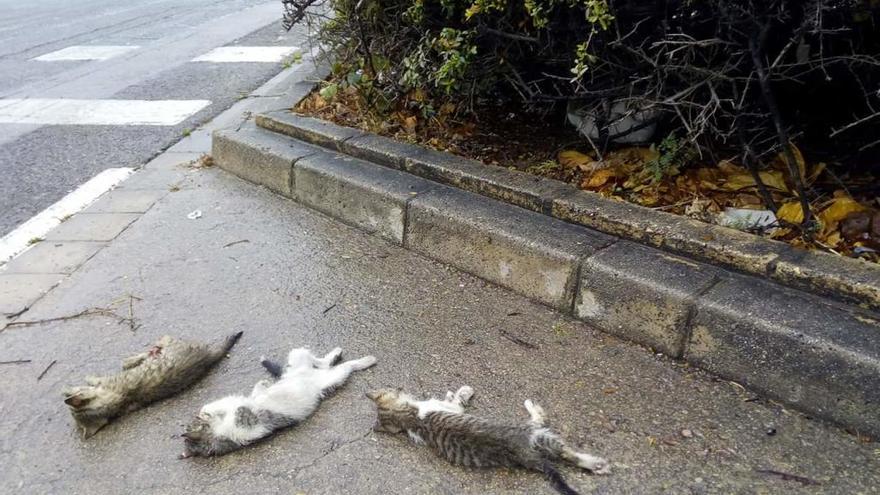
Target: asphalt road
(39, 164)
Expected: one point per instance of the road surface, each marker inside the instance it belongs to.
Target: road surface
(78, 79)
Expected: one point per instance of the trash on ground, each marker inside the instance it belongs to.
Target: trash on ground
(195, 215)
(746, 219)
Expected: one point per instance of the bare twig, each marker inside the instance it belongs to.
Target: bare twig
(16, 361)
(84, 313)
(243, 241)
(790, 477)
(756, 47)
(516, 340)
(46, 370)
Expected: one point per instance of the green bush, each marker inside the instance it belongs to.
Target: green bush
(725, 75)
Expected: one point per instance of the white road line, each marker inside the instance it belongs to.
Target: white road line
(82, 52)
(38, 226)
(62, 111)
(247, 54)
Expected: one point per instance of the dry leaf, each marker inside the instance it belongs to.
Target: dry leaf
(598, 179)
(791, 212)
(815, 173)
(798, 158)
(447, 108)
(837, 210)
(773, 179)
(571, 159)
(833, 238)
(409, 123)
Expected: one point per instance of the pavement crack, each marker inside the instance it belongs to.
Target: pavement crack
(334, 447)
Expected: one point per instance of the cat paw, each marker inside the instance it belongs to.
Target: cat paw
(538, 416)
(335, 356)
(595, 465)
(365, 362)
(464, 395)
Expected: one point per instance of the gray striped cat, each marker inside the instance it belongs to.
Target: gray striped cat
(468, 440)
(169, 367)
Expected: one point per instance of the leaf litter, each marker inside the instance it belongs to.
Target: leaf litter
(667, 177)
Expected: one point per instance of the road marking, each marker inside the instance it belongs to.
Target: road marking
(38, 226)
(247, 54)
(62, 111)
(82, 52)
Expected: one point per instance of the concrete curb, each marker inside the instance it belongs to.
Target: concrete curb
(817, 272)
(705, 314)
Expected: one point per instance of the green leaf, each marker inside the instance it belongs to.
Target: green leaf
(329, 91)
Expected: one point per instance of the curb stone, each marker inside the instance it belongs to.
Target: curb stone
(740, 251)
(523, 251)
(744, 328)
(260, 157)
(643, 294)
(793, 347)
(368, 196)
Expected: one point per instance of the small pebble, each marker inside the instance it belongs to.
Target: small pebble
(770, 431)
(687, 433)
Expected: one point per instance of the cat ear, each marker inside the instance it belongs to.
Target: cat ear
(374, 395)
(77, 400)
(190, 435)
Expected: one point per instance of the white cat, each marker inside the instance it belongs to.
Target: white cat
(235, 421)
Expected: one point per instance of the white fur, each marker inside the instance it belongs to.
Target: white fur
(296, 394)
(454, 403)
(415, 437)
(595, 464)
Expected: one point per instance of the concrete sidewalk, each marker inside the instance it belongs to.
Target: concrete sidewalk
(288, 276)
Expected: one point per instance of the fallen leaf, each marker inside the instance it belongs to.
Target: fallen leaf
(409, 123)
(782, 161)
(837, 210)
(447, 108)
(598, 179)
(833, 239)
(772, 179)
(329, 91)
(815, 173)
(571, 158)
(791, 212)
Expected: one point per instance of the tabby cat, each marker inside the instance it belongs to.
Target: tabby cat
(468, 440)
(169, 367)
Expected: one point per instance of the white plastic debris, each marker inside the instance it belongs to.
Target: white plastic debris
(639, 124)
(744, 219)
(195, 214)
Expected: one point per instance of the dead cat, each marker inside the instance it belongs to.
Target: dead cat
(236, 421)
(468, 440)
(169, 367)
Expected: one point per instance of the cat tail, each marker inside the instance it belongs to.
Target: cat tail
(556, 480)
(229, 342)
(273, 368)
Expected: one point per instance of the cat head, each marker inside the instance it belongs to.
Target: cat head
(393, 410)
(92, 407)
(201, 439)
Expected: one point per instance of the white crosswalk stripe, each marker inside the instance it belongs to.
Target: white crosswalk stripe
(63, 111)
(247, 54)
(19, 239)
(83, 52)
